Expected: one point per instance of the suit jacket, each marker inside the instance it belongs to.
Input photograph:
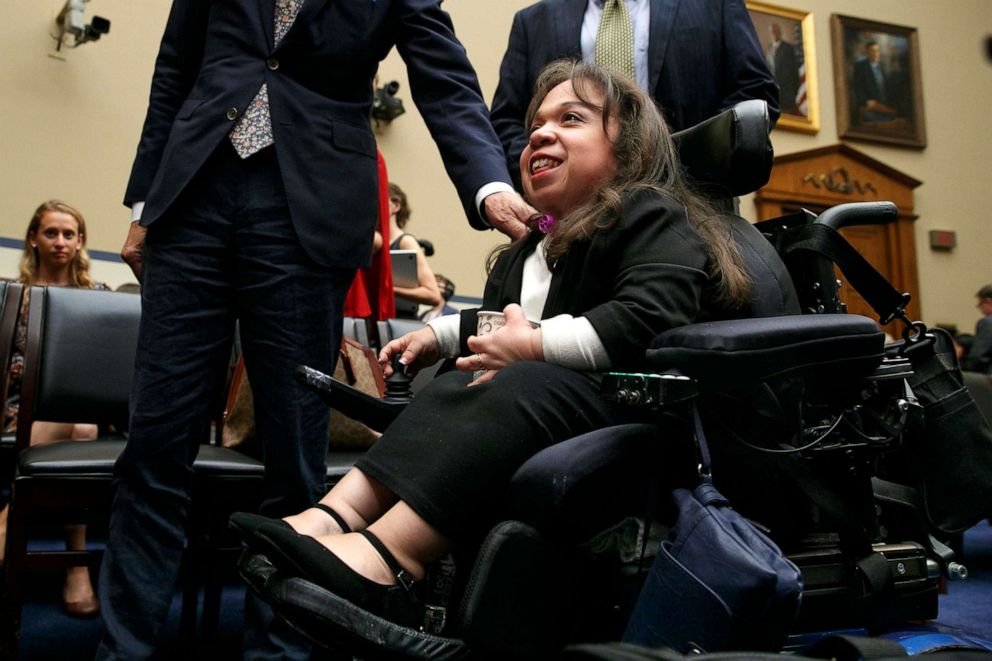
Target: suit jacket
(214, 57)
(703, 57)
(979, 357)
(864, 86)
(642, 276)
(787, 75)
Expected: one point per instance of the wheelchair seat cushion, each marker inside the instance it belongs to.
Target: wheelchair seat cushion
(730, 354)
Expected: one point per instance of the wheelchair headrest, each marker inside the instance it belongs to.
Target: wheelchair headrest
(729, 154)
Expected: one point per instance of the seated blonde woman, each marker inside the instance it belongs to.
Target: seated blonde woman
(54, 255)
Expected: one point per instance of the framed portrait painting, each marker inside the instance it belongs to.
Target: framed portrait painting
(877, 79)
(786, 37)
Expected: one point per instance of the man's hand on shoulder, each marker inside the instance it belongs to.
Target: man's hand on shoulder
(508, 213)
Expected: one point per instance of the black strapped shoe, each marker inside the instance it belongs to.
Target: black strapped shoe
(247, 524)
(304, 556)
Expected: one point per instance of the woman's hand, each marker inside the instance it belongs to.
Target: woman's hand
(514, 342)
(417, 350)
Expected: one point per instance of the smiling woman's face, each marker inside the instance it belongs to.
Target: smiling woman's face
(569, 155)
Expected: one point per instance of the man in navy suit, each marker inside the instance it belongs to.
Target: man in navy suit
(784, 65)
(695, 57)
(979, 356)
(254, 196)
(871, 88)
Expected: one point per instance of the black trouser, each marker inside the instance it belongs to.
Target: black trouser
(226, 250)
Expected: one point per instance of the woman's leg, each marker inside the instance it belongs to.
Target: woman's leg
(357, 498)
(43, 433)
(450, 457)
(413, 542)
(77, 591)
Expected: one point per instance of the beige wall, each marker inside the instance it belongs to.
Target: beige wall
(70, 127)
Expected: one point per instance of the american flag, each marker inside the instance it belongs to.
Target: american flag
(801, 104)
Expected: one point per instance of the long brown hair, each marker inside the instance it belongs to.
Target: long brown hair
(79, 267)
(646, 159)
(397, 195)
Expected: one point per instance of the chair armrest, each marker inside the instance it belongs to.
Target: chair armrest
(371, 411)
(734, 353)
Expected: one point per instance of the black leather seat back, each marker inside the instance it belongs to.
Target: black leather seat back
(773, 293)
(729, 154)
(357, 329)
(86, 361)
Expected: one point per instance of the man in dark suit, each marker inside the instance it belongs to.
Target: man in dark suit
(871, 88)
(979, 356)
(784, 64)
(254, 197)
(696, 58)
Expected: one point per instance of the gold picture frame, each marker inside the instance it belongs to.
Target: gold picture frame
(873, 59)
(787, 40)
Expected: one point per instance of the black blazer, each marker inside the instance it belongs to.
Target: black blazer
(703, 57)
(645, 275)
(216, 54)
(864, 86)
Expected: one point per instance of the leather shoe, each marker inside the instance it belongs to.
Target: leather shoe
(304, 556)
(247, 524)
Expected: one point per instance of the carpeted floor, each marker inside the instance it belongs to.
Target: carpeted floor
(968, 604)
(49, 634)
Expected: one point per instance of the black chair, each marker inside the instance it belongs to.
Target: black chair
(10, 307)
(357, 329)
(78, 365)
(530, 591)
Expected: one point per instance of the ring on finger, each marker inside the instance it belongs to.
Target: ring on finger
(478, 358)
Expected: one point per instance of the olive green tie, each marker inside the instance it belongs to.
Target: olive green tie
(615, 38)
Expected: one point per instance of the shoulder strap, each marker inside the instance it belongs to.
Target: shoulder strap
(888, 303)
(854, 539)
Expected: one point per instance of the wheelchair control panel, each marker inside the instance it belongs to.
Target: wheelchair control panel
(647, 390)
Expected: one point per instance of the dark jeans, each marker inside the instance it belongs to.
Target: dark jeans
(226, 250)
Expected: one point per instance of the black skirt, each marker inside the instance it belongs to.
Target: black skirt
(452, 452)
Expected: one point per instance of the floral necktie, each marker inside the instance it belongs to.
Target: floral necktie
(253, 132)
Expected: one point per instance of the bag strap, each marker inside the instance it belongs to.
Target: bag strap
(884, 299)
(345, 360)
(353, 352)
(872, 565)
(702, 448)
(654, 485)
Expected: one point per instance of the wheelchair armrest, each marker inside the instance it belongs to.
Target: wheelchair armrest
(371, 411)
(734, 353)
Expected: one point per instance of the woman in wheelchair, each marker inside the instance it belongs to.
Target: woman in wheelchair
(623, 251)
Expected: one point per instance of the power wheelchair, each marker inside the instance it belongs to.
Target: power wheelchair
(835, 405)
